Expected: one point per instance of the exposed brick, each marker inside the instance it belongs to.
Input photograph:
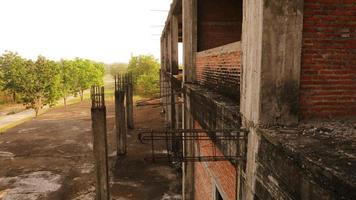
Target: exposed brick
(328, 75)
(220, 72)
(218, 23)
(221, 172)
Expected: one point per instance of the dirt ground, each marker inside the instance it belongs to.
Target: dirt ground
(51, 158)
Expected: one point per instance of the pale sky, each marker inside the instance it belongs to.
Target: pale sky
(102, 30)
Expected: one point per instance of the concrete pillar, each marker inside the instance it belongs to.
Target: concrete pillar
(178, 143)
(120, 115)
(271, 45)
(188, 150)
(189, 76)
(161, 71)
(129, 102)
(98, 116)
(174, 44)
(174, 66)
(166, 86)
(189, 39)
(169, 70)
(178, 109)
(121, 125)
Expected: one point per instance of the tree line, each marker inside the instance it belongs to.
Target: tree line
(145, 71)
(40, 82)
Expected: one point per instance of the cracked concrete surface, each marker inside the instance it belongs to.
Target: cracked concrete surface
(50, 157)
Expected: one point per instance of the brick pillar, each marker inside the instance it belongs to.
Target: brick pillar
(98, 116)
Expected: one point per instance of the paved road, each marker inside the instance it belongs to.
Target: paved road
(15, 118)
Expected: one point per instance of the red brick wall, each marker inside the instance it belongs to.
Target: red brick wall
(220, 71)
(209, 174)
(328, 75)
(219, 23)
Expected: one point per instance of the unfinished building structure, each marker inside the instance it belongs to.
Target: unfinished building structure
(281, 69)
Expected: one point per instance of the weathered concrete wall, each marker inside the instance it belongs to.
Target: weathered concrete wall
(272, 50)
(281, 43)
(294, 166)
(219, 23)
(328, 77)
(219, 69)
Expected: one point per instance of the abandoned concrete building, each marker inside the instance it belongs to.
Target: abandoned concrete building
(284, 72)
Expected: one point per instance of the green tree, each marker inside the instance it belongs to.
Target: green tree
(117, 68)
(12, 73)
(145, 70)
(88, 73)
(41, 83)
(69, 77)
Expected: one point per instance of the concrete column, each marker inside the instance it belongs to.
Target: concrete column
(178, 109)
(121, 125)
(129, 102)
(177, 144)
(189, 76)
(98, 116)
(174, 45)
(271, 63)
(188, 150)
(169, 70)
(271, 44)
(162, 69)
(174, 66)
(166, 86)
(189, 39)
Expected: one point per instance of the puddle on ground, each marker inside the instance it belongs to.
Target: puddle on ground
(30, 186)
